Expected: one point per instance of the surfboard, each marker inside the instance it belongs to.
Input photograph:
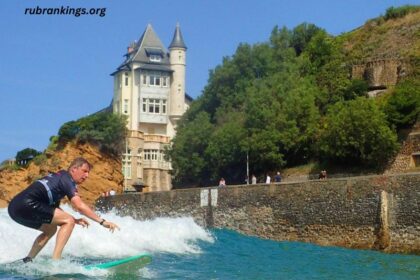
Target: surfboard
(127, 265)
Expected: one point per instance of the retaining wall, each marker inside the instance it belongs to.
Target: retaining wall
(369, 212)
(381, 72)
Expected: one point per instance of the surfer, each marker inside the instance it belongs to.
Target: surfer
(38, 207)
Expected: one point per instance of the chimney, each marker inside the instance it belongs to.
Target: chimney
(131, 47)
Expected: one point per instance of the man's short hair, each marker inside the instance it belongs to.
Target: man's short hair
(78, 162)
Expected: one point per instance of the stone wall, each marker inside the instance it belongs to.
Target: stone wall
(371, 212)
(409, 153)
(381, 73)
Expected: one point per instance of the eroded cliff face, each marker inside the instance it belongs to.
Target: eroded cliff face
(105, 175)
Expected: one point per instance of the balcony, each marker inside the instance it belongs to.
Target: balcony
(156, 164)
(157, 138)
(135, 134)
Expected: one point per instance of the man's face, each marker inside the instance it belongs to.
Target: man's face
(80, 174)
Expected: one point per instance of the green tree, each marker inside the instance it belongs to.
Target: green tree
(356, 133)
(189, 162)
(226, 151)
(356, 88)
(227, 82)
(324, 59)
(270, 133)
(301, 110)
(25, 155)
(282, 49)
(403, 106)
(302, 35)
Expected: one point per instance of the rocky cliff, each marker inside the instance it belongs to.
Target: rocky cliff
(384, 39)
(384, 51)
(105, 175)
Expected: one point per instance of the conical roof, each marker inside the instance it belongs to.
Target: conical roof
(148, 43)
(177, 41)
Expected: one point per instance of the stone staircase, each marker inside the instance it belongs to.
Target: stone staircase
(408, 158)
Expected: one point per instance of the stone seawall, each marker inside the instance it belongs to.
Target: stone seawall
(370, 212)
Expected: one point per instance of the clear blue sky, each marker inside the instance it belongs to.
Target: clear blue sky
(56, 68)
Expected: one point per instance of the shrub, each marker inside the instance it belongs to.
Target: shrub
(23, 156)
(68, 131)
(40, 159)
(392, 13)
(403, 106)
(356, 133)
(12, 167)
(104, 129)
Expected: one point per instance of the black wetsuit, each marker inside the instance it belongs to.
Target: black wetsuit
(35, 205)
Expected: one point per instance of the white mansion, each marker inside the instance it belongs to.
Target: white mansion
(149, 87)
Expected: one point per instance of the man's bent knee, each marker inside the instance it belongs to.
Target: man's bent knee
(61, 218)
(48, 229)
(69, 221)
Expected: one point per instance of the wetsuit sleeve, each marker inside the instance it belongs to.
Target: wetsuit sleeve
(69, 188)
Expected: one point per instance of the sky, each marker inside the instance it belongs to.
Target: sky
(56, 68)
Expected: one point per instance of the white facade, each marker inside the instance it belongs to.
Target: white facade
(149, 88)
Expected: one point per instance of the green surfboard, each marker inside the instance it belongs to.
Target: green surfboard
(126, 266)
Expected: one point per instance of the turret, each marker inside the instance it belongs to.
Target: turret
(177, 52)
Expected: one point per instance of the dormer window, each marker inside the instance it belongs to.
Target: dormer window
(155, 58)
(154, 54)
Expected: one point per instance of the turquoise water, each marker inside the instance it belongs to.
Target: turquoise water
(183, 250)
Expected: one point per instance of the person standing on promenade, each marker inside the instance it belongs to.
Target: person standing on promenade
(268, 179)
(253, 179)
(37, 207)
(277, 178)
(323, 175)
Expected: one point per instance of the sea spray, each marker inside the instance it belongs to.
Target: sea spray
(171, 235)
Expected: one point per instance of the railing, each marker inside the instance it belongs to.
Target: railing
(156, 164)
(157, 138)
(135, 133)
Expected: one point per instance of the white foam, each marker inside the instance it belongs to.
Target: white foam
(169, 235)
(43, 266)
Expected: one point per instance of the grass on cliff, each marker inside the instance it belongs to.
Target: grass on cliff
(389, 36)
(11, 167)
(314, 168)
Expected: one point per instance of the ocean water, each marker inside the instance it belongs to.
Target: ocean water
(181, 249)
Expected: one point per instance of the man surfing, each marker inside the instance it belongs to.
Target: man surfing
(37, 207)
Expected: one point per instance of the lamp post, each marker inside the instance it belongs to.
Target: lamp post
(247, 168)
